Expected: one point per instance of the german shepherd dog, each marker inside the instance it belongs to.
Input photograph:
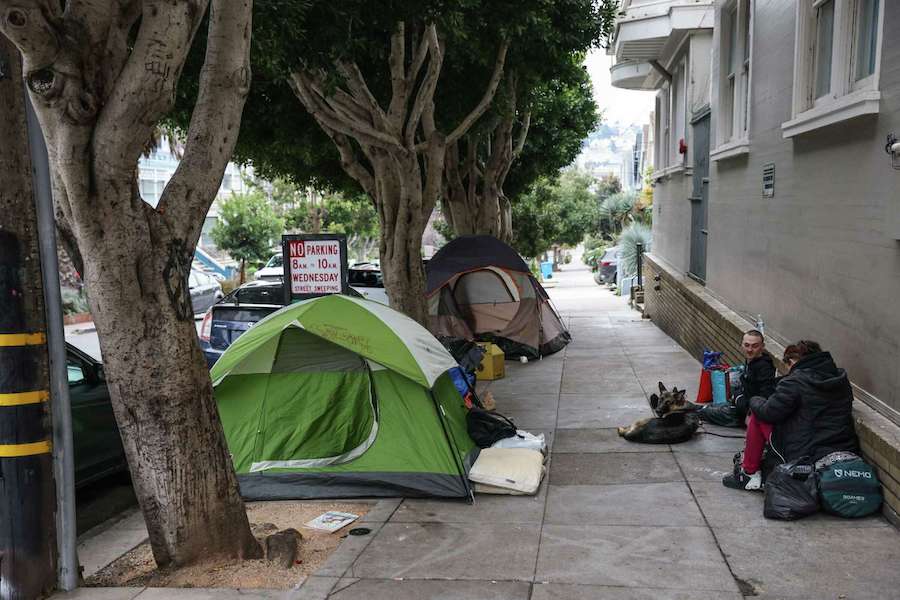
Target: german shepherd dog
(674, 421)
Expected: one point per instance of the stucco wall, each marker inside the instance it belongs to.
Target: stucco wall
(819, 260)
(672, 219)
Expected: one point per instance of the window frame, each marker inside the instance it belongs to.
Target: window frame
(733, 46)
(869, 81)
(678, 90)
(847, 97)
(661, 141)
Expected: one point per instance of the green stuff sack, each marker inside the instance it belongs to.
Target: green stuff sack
(850, 489)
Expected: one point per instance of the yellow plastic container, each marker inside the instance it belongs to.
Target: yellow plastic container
(492, 363)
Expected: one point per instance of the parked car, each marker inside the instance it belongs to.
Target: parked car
(205, 290)
(369, 282)
(609, 263)
(237, 312)
(98, 446)
(273, 270)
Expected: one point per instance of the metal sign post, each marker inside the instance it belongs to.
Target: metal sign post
(60, 405)
(314, 265)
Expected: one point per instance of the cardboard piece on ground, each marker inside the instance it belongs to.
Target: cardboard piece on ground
(331, 521)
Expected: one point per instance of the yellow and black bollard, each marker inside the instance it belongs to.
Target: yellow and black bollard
(28, 548)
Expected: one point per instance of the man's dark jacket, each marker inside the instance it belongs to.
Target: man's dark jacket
(758, 378)
(811, 410)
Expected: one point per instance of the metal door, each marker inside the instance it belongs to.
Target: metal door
(700, 196)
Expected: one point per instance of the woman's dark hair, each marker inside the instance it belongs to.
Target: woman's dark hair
(801, 349)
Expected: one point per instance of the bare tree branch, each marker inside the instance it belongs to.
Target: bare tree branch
(425, 95)
(93, 18)
(317, 104)
(351, 163)
(212, 134)
(361, 92)
(117, 45)
(145, 88)
(523, 134)
(486, 99)
(434, 174)
(399, 84)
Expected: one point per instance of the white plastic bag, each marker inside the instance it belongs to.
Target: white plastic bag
(523, 439)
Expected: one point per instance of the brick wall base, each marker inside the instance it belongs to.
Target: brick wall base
(690, 315)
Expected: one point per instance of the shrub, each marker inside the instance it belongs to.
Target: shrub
(632, 235)
(74, 302)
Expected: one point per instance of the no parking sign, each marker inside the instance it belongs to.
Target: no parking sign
(314, 265)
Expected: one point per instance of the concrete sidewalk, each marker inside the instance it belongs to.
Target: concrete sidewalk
(613, 520)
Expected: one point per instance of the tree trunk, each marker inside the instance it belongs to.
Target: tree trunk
(166, 412)
(471, 191)
(403, 222)
(99, 91)
(243, 276)
(473, 199)
(506, 227)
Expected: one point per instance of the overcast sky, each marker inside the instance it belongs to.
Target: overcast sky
(625, 106)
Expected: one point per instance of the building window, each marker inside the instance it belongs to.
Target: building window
(661, 149)
(679, 111)
(866, 36)
(733, 44)
(823, 48)
(836, 62)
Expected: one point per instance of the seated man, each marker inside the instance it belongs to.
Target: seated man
(809, 415)
(758, 379)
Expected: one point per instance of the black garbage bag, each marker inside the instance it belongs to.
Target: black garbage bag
(791, 492)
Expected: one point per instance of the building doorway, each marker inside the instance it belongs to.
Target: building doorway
(700, 196)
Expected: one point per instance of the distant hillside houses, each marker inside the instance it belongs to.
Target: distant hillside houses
(617, 149)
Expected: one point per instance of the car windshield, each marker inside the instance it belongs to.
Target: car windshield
(267, 294)
(277, 260)
(610, 253)
(365, 278)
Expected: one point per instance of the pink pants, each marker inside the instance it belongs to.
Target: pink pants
(758, 433)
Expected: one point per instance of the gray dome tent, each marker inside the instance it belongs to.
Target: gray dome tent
(478, 288)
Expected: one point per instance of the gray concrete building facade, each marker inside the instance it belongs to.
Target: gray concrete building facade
(773, 188)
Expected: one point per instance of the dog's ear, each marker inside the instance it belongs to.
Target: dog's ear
(679, 394)
(662, 388)
(654, 401)
(675, 390)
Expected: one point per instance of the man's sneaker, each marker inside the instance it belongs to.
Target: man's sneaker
(739, 480)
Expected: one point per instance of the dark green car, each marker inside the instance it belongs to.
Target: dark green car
(98, 447)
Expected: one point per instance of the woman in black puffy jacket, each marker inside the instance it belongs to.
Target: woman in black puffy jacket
(808, 416)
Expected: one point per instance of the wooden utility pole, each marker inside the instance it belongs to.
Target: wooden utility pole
(27, 495)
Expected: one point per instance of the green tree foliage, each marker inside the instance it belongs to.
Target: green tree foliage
(283, 141)
(247, 229)
(616, 212)
(558, 211)
(607, 186)
(534, 220)
(563, 113)
(356, 218)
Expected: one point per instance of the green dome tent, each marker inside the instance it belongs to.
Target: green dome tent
(342, 397)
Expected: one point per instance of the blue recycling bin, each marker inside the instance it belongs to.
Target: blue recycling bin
(547, 269)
